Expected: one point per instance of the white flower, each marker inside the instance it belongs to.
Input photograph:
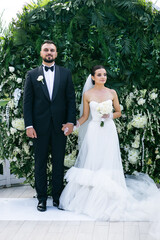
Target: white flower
(119, 129)
(18, 123)
(19, 80)
(139, 121)
(126, 148)
(156, 150)
(30, 143)
(153, 96)
(129, 125)
(158, 157)
(75, 131)
(136, 142)
(104, 107)
(69, 159)
(3, 118)
(16, 111)
(40, 79)
(14, 159)
(26, 148)
(11, 103)
(16, 151)
(133, 156)
(121, 106)
(131, 95)
(141, 101)
(17, 95)
(128, 101)
(13, 130)
(11, 69)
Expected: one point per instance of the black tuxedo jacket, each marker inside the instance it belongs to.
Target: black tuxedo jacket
(39, 110)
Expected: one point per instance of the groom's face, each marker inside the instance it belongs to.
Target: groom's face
(48, 53)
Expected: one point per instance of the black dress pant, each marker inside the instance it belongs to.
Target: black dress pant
(56, 142)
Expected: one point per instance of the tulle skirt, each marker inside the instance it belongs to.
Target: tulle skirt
(96, 185)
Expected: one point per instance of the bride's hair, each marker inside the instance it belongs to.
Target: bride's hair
(94, 68)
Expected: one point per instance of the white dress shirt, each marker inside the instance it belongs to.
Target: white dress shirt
(49, 76)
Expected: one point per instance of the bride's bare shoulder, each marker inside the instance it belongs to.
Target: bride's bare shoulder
(112, 91)
(89, 92)
(87, 95)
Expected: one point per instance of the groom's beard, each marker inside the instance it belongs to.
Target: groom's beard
(49, 59)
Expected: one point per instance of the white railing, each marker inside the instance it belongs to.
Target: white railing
(7, 179)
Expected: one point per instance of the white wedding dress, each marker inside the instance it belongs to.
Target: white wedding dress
(96, 184)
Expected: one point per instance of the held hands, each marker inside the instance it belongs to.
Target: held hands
(31, 132)
(77, 126)
(67, 128)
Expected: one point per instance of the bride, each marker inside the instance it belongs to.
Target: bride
(96, 184)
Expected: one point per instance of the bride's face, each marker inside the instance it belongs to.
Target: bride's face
(100, 76)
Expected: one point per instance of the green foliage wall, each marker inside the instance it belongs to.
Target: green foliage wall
(123, 35)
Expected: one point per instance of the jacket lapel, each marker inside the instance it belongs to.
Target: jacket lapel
(56, 82)
(44, 86)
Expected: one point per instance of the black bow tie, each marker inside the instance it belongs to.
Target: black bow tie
(47, 68)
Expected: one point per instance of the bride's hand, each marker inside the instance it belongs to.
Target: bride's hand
(105, 116)
(109, 115)
(76, 126)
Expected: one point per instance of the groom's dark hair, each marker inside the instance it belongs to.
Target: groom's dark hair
(49, 42)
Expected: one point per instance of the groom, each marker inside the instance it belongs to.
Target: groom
(49, 105)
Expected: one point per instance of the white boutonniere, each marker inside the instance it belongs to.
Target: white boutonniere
(40, 79)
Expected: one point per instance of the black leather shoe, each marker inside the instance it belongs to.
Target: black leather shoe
(56, 203)
(41, 206)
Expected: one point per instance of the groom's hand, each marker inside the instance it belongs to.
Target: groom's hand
(31, 132)
(67, 128)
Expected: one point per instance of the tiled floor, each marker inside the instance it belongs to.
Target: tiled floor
(67, 230)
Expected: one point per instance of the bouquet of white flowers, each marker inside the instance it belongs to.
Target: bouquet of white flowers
(104, 108)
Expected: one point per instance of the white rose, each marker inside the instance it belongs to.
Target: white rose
(135, 144)
(14, 159)
(153, 96)
(131, 95)
(11, 69)
(133, 156)
(40, 79)
(157, 157)
(19, 80)
(18, 123)
(139, 121)
(141, 101)
(13, 130)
